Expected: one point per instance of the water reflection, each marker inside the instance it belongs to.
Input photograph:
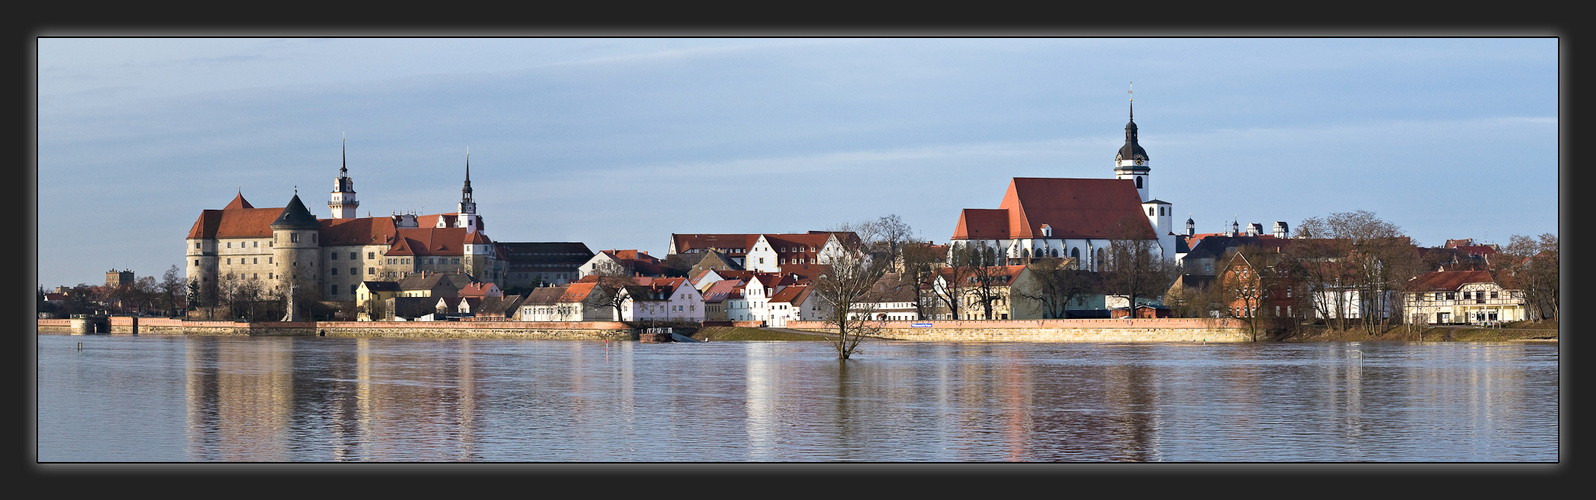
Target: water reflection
(320, 399)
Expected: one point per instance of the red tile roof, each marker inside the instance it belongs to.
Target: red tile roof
(805, 272)
(238, 202)
(722, 290)
(1448, 281)
(235, 223)
(982, 224)
(1073, 208)
(577, 292)
(795, 294)
(724, 242)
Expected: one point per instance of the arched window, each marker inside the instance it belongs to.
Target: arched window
(1076, 253)
(1149, 210)
(1138, 182)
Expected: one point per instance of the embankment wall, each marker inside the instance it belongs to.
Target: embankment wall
(594, 330)
(1057, 330)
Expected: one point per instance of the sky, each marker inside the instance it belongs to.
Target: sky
(620, 142)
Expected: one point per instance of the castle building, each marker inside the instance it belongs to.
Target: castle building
(289, 245)
(1073, 218)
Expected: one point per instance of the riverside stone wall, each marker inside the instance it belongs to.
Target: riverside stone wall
(1064, 330)
(591, 330)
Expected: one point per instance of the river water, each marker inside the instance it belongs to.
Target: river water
(285, 399)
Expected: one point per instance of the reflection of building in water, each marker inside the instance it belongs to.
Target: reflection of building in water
(760, 384)
(239, 401)
(1130, 389)
(466, 409)
(1017, 406)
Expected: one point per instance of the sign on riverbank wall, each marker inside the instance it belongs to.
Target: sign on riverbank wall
(586, 330)
(1057, 330)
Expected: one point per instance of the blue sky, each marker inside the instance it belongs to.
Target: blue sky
(617, 143)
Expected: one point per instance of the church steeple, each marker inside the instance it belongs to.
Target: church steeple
(343, 202)
(1131, 161)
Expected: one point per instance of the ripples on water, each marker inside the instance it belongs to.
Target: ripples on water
(277, 399)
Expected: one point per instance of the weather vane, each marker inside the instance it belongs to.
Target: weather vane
(1132, 92)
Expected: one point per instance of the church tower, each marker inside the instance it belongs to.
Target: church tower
(343, 202)
(1131, 162)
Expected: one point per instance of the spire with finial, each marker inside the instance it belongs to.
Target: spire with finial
(1131, 156)
(467, 205)
(343, 159)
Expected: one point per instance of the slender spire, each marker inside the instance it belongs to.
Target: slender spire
(467, 188)
(343, 160)
(1132, 92)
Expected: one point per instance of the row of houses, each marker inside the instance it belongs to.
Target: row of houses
(1463, 286)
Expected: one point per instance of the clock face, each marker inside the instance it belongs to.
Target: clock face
(1140, 161)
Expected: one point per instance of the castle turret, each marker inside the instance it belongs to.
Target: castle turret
(343, 202)
(295, 248)
(468, 217)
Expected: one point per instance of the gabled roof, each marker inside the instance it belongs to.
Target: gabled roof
(982, 224)
(359, 231)
(431, 281)
(578, 292)
(381, 286)
(478, 289)
(722, 290)
(804, 272)
(770, 280)
(1075, 208)
(1448, 281)
(795, 294)
(429, 241)
(684, 243)
(544, 296)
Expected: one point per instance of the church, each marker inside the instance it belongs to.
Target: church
(1075, 218)
(287, 245)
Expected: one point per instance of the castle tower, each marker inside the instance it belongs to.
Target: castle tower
(468, 207)
(478, 256)
(343, 202)
(1131, 162)
(295, 248)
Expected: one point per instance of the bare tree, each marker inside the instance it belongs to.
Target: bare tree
(1134, 267)
(958, 275)
(845, 289)
(171, 288)
(1352, 263)
(611, 281)
(918, 263)
(1533, 264)
(1054, 284)
(988, 288)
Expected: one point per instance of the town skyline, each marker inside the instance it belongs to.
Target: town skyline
(617, 143)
